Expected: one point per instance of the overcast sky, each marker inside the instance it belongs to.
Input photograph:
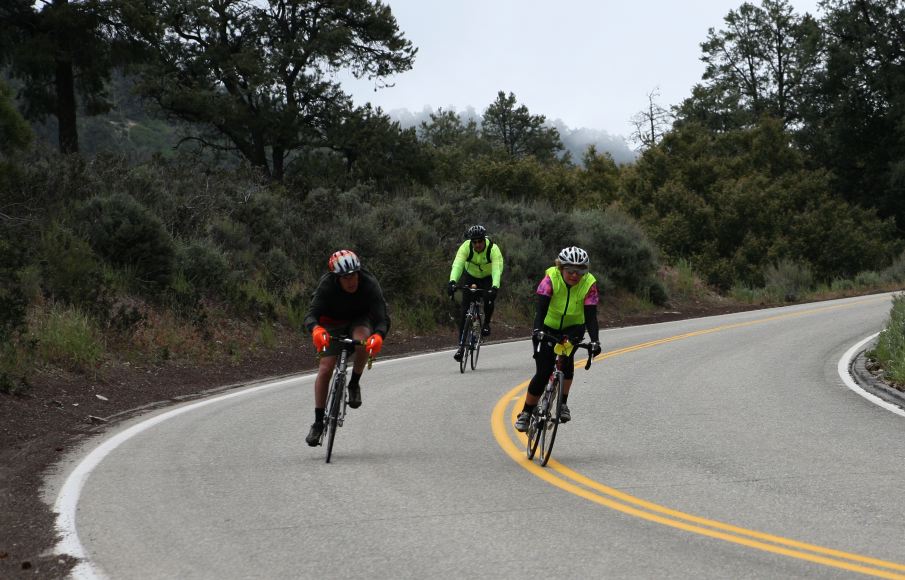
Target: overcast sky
(589, 63)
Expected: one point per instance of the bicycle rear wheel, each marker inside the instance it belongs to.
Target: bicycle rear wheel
(548, 435)
(334, 401)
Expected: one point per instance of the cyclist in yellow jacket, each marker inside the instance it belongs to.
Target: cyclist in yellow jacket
(480, 262)
(567, 300)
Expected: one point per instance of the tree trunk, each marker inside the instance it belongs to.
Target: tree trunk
(64, 79)
(278, 158)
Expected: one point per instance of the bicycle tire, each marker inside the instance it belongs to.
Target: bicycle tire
(548, 436)
(333, 403)
(466, 342)
(477, 338)
(535, 424)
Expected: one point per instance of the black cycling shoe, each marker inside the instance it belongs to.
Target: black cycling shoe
(522, 421)
(355, 396)
(486, 330)
(459, 354)
(314, 434)
(564, 414)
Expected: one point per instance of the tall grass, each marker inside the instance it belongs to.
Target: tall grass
(66, 336)
(890, 349)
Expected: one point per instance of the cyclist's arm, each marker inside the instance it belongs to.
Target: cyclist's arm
(318, 304)
(379, 314)
(590, 314)
(459, 262)
(590, 322)
(497, 268)
(543, 304)
(544, 296)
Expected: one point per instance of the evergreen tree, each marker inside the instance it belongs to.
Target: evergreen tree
(256, 77)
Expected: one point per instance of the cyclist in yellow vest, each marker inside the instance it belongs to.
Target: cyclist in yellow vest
(567, 300)
(480, 262)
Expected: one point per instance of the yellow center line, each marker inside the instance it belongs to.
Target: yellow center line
(569, 480)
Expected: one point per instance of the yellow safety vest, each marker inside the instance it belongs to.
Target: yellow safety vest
(567, 303)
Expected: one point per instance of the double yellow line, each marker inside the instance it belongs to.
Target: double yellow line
(566, 479)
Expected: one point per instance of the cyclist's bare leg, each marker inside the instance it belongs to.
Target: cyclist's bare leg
(322, 382)
(361, 354)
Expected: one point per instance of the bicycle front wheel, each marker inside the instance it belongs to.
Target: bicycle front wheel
(476, 343)
(466, 345)
(334, 402)
(535, 427)
(548, 435)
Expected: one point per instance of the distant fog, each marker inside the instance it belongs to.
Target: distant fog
(576, 141)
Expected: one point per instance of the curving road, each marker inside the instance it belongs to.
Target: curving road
(724, 447)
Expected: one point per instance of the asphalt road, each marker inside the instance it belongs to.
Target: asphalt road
(724, 447)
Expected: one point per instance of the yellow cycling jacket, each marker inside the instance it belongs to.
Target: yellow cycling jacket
(480, 265)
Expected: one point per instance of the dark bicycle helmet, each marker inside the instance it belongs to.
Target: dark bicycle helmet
(573, 256)
(344, 262)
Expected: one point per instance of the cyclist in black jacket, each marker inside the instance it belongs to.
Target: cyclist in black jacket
(348, 301)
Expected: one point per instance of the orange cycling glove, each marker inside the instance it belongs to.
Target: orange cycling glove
(321, 338)
(374, 344)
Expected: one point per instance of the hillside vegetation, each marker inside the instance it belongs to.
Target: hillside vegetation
(122, 247)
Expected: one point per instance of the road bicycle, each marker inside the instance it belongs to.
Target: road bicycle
(545, 418)
(471, 338)
(337, 395)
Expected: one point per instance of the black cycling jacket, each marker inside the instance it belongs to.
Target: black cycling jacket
(330, 304)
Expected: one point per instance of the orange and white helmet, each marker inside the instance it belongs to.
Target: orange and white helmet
(344, 262)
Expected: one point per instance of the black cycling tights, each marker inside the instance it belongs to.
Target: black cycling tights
(545, 362)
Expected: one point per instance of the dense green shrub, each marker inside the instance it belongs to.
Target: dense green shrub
(788, 279)
(618, 247)
(12, 297)
(126, 234)
(203, 264)
(278, 268)
(70, 271)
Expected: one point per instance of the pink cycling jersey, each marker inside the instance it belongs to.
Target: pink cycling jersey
(545, 288)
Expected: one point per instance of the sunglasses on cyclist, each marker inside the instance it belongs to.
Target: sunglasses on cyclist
(575, 271)
(349, 275)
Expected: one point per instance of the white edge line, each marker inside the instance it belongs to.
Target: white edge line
(843, 366)
(66, 503)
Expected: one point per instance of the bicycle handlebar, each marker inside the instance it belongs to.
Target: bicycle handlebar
(470, 289)
(351, 342)
(552, 339)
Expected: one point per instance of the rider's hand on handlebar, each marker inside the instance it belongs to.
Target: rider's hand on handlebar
(373, 344)
(320, 337)
(537, 334)
(595, 348)
(451, 288)
(491, 294)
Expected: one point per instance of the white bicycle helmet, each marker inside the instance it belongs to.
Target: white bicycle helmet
(344, 262)
(573, 256)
